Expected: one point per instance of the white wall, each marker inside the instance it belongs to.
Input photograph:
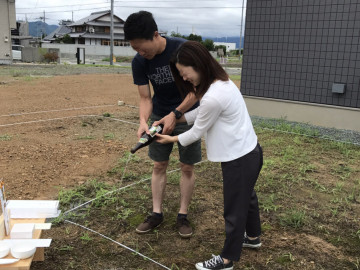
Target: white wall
(310, 113)
(90, 50)
(7, 20)
(229, 46)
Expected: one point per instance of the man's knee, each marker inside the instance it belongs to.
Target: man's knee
(187, 170)
(160, 167)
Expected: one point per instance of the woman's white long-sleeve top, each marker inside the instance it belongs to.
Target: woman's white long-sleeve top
(222, 118)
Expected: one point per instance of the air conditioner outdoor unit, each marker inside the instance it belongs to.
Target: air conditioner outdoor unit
(91, 30)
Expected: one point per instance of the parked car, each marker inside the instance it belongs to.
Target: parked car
(16, 52)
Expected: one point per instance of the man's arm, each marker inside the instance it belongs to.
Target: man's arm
(145, 108)
(169, 121)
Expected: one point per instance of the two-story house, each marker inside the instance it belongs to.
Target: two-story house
(95, 30)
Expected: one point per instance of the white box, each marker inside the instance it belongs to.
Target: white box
(33, 208)
(22, 231)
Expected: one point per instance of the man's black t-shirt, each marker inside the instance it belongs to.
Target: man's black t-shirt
(166, 95)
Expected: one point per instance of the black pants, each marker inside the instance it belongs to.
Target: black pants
(241, 209)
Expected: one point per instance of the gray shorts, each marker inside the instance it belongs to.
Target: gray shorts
(161, 152)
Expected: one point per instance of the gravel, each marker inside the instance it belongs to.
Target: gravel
(281, 125)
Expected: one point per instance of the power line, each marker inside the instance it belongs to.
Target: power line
(103, 3)
(80, 9)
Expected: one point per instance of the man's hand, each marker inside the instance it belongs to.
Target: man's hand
(169, 122)
(166, 138)
(143, 128)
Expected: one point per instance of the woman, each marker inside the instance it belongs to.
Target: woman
(230, 138)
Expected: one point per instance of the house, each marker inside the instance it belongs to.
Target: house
(7, 22)
(95, 30)
(301, 61)
(59, 32)
(91, 35)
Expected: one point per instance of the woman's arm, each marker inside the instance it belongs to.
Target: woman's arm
(166, 138)
(208, 113)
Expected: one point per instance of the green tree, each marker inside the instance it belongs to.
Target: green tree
(173, 34)
(65, 39)
(209, 44)
(221, 47)
(194, 37)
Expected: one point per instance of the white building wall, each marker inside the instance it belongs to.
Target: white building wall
(7, 21)
(229, 46)
(90, 50)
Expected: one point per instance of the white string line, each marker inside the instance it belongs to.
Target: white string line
(116, 242)
(59, 110)
(68, 117)
(45, 120)
(121, 188)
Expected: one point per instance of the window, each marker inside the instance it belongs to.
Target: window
(105, 42)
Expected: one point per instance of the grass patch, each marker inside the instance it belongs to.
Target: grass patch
(308, 190)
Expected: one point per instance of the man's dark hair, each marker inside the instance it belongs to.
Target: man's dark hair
(195, 55)
(140, 25)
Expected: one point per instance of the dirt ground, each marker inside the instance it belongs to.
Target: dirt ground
(37, 155)
(57, 132)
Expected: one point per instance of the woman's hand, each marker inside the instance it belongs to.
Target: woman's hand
(166, 138)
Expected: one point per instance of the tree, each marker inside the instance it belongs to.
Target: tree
(194, 37)
(221, 47)
(209, 44)
(65, 39)
(173, 34)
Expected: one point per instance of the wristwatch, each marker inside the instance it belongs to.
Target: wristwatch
(177, 113)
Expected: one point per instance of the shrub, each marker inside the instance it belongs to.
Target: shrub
(51, 56)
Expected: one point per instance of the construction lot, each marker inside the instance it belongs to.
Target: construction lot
(63, 136)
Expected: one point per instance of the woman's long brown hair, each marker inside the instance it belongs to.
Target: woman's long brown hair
(194, 54)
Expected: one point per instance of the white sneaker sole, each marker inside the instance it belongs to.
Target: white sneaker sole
(199, 266)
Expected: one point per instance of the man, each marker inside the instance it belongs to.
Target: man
(152, 63)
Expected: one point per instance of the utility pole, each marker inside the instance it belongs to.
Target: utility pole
(241, 29)
(112, 33)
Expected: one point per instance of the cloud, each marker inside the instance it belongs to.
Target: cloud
(205, 17)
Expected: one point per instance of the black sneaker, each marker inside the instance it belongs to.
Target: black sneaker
(256, 243)
(184, 228)
(150, 223)
(214, 264)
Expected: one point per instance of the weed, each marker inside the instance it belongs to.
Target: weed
(285, 258)
(5, 137)
(85, 237)
(293, 218)
(106, 114)
(125, 213)
(109, 136)
(66, 248)
(267, 204)
(357, 263)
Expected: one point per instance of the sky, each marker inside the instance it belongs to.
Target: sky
(215, 18)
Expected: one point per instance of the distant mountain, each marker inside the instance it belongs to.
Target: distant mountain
(226, 39)
(36, 29)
